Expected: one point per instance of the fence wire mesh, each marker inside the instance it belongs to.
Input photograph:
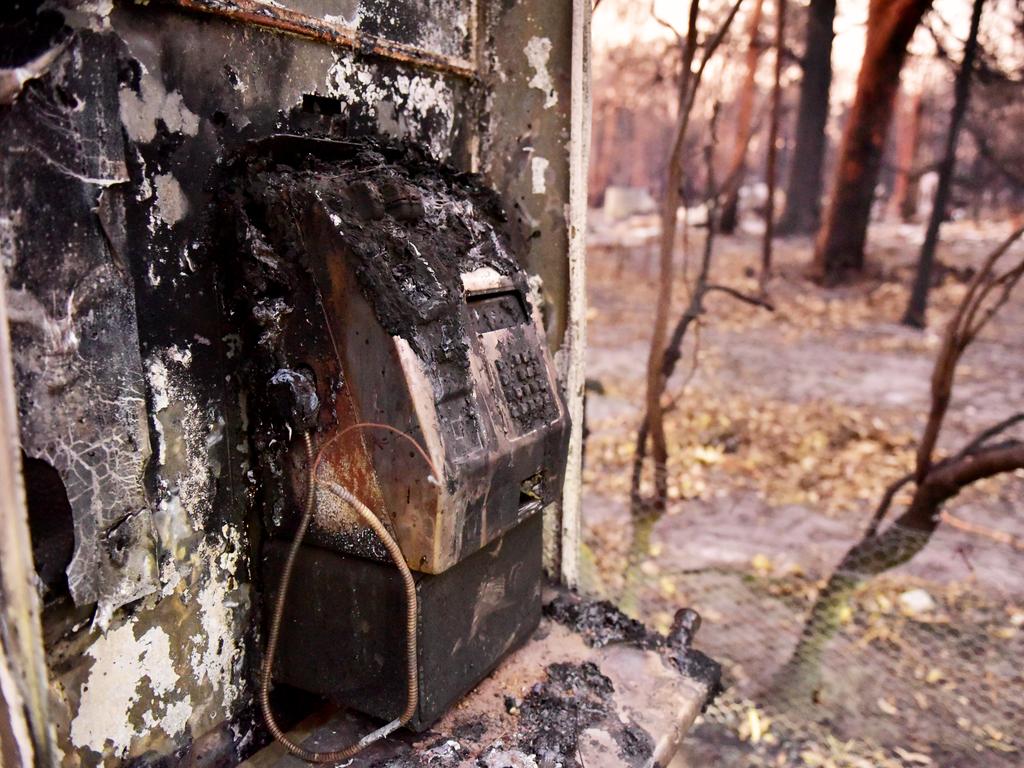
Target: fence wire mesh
(782, 443)
(898, 669)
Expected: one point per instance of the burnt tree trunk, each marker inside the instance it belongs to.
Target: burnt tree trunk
(839, 250)
(744, 124)
(802, 213)
(773, 140)
(903, 202)
(915, 314)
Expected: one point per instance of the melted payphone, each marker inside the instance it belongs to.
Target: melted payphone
(379, 287)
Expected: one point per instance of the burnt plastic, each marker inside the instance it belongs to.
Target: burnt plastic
(392, 281)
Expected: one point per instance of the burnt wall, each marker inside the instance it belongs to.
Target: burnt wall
(115, 123)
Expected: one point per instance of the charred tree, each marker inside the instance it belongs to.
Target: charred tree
(689, 83)
(935, 480)
(773, 139)
(744, 123)
(903, 202)
(651, 439)
(647, 512)
(653, 422)
(918, 304)
(802, 213)
(839, 250)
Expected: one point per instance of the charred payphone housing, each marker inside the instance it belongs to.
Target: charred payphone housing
(382, 288)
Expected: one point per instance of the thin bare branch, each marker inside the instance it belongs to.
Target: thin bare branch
(984, 148)
(993, 431)
(1001, 537)
(885, 503)
(719, 36)
(950, 478)
(652, 428)
(1006, 283)
(983, 284)
(756, 301)
(663, 22)
(695, 307)
(694, 357)
(955, 341)
(709, 50)
(972, 447)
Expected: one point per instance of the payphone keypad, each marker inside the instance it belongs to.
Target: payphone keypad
(524, 384)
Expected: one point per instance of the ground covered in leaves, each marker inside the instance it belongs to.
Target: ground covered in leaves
(783, 438)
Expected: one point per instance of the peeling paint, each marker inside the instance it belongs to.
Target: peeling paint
(399, 103)
(171, 203)
(183, 428)
(140, 111)
(157, 374)
(538, 51)
(218, 664)
(124, 668)
(539, 168)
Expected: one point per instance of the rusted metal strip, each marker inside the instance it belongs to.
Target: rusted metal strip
(292, 22)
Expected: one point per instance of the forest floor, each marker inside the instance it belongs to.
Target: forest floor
(782, 441)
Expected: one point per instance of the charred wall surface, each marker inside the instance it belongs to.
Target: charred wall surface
(115, 122)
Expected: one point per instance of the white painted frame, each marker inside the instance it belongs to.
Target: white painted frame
(575, 341)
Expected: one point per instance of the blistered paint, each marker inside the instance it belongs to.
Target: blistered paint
(538, 51)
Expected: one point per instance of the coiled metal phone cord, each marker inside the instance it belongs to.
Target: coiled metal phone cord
(412, 681)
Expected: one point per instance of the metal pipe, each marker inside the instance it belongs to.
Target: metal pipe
(283, 19)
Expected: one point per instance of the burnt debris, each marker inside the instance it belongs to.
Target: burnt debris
(575, 697)
(294, 392)
(412, 227)
(600, 623)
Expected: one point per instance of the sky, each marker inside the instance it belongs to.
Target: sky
(618, 22)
